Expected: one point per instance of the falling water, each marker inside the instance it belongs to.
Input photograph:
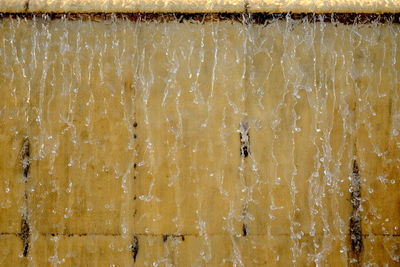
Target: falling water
(199, 143)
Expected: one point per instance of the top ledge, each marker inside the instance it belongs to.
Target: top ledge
(200, 6)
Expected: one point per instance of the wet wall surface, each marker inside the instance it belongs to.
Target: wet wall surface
(215, 143)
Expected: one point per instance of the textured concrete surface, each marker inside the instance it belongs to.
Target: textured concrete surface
(213, 144)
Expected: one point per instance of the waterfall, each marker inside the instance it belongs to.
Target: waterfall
(206, 142)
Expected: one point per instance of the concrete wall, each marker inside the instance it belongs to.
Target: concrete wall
(191, 144)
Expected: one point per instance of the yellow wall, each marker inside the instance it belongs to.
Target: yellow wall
(135, 134)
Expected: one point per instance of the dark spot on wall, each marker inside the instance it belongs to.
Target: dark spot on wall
(25, 228)
(25, 235)
(244, 139)
(244, 229)
(25, 158)
(355, 219)
(134, 247)
(245, 151)
(165, 238)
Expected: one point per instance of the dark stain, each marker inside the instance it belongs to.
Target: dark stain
(135, 124)
(25, 235)
(25, 228)
(165, 238)
(26, 6)
(355, 219)
(245, 216)
(245, 151)
(134, 247)
(134, 136)
(134, 165)
(25, 158)
(244, 229)
(134, 198)
(244, 139)
(79, 234)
